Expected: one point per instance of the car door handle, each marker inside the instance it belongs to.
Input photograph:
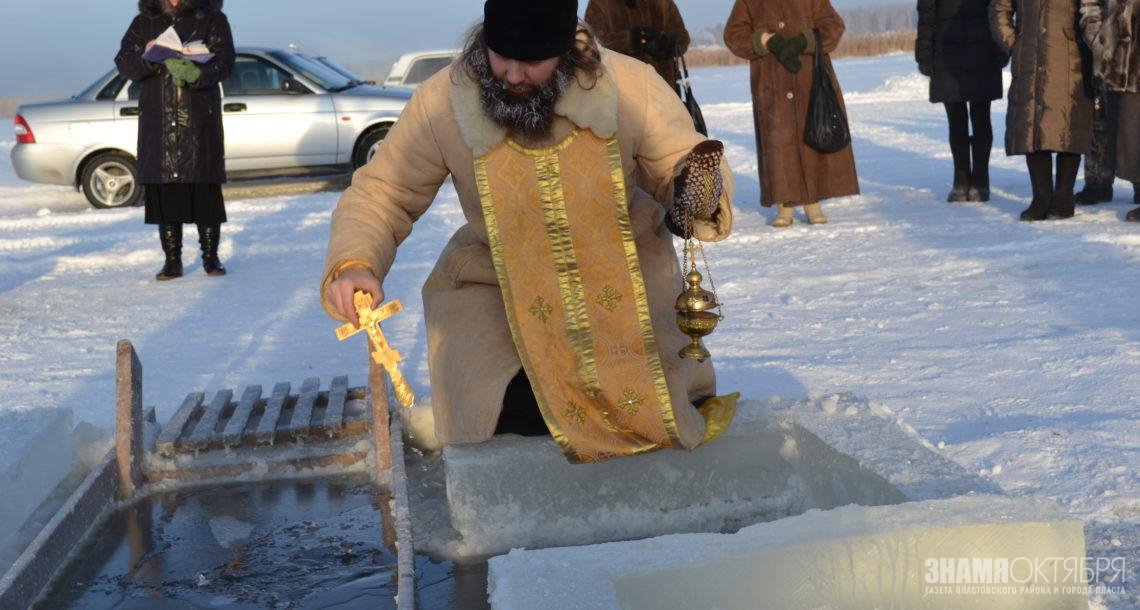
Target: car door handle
(129, 111)
(234, 108)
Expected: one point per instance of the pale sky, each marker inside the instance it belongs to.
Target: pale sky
(54, 47)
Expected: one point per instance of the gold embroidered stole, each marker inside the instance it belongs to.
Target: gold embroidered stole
(562, 243)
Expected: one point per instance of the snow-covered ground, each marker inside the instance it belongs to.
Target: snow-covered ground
(1013, 347)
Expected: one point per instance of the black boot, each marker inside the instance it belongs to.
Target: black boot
(170, 236)
(980, 174)
(958, 118)
(1040, 166)
(961, 189)
(208, 238)
(979, 184)
(1092, 195)
(1064, 201)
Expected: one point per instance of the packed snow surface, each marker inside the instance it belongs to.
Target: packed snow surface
(1013, 347)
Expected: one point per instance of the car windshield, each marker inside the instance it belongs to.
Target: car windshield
(323, 76)
(339, 68)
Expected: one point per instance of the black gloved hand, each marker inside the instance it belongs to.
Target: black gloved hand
(661, 45)
(926, 69)
(638, 38)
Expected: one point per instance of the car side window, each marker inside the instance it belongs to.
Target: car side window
(112, 89)
(254, 76)
(424, 69)
(133, 90)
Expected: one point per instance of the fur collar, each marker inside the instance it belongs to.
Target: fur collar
(595, 109)
(154, 7)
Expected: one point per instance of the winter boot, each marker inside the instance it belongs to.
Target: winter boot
(1091, 195)
(980, 146)
(979, 188)
(958, 116)
(815, 214)
(1064, 201)
(208, 238)
(170, 236)
(961, 189)
(1041, 176)
(785, 216)
(1133, 216)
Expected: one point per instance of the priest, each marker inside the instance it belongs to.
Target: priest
(551, 310)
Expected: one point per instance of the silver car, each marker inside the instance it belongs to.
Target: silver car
(283, 112)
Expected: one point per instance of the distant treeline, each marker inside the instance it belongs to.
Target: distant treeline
(871, 31)
(869, 45)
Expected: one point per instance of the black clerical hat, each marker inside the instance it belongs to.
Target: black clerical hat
(530, 30)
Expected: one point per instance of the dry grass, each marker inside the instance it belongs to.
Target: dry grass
(9, 105)
(851, 46)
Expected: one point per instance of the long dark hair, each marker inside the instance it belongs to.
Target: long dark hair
(585, 57)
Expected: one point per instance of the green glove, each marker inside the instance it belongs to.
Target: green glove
(797, 45)
(787, 51)
(776, 43)
(183, 71)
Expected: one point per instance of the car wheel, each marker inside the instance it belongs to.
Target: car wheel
(110, 180)
(368, 146)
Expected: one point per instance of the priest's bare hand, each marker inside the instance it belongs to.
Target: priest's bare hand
(341, 291)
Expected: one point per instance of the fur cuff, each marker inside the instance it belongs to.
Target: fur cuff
(758, 47)
(809, 34)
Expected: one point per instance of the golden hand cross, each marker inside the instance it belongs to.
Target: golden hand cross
(383, 353)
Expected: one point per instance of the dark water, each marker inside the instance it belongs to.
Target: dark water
(292, 545)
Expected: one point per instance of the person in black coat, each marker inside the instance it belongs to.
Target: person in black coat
(181, 147)
(956, 50)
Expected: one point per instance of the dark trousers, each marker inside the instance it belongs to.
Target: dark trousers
(1100, 162)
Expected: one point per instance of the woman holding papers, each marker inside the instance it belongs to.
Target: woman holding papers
(181, 149)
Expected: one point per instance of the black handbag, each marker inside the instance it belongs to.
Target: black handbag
(690, 101)
(826, 130)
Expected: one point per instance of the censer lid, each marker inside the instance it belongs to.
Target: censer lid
(695, 298)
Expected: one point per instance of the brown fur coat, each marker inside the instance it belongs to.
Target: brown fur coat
(1112, 36)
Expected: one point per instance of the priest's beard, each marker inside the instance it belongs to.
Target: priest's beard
(528, 111)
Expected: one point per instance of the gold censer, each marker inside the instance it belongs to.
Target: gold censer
(695, 315)
(697, 196)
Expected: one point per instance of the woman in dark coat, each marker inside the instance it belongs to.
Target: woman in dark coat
(181, 149)
(955, 49)
(1050, 98)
